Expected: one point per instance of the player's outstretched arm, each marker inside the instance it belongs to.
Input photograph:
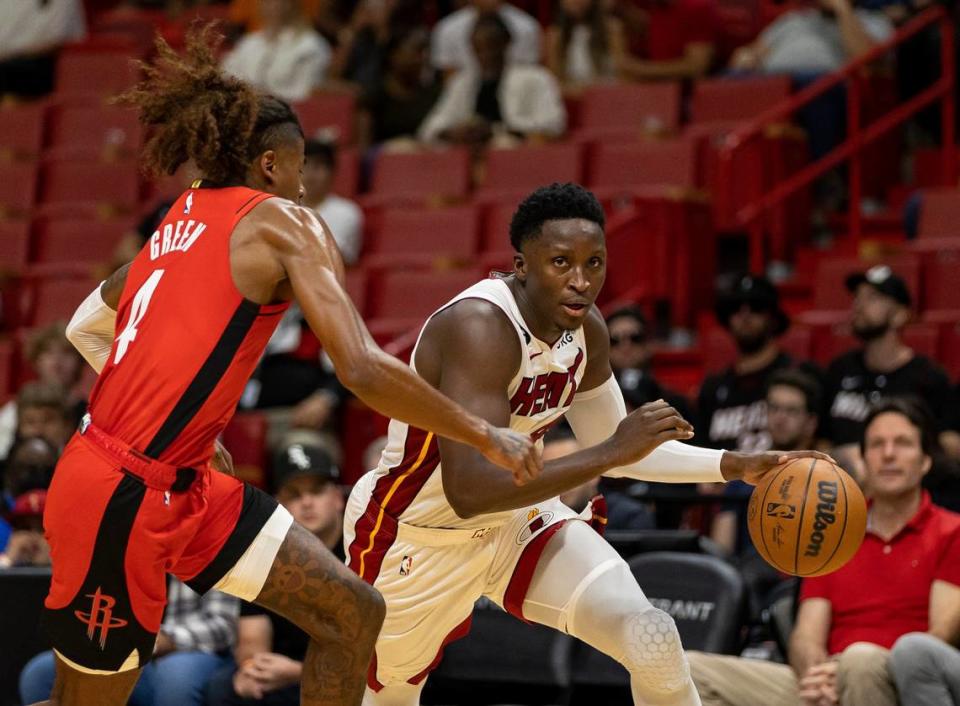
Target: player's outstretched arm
(312, 266)
(599, 409)
(471, 352)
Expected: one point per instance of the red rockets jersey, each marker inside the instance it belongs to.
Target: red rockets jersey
(186, 340)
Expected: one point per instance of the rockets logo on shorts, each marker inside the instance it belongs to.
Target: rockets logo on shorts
(406, 565)
(537, 521)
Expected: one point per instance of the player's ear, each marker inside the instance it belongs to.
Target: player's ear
(268, 165)
(520, 266)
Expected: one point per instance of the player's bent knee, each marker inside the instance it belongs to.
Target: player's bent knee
(653, 652)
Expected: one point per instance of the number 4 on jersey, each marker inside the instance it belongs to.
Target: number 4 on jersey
(139, 309)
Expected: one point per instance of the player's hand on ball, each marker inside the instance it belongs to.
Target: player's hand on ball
(514, 451)
(646, 428)
(751, 467)
(222, 460)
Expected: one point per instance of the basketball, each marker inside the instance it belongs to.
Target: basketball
(807, 518)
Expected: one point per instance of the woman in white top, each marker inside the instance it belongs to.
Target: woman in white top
(585, 44)
(286, 58)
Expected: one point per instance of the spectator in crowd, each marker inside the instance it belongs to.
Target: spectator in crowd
(619, 509)
(27, 545)
(270, 650)
(733, 404)
(286, 58)
(43, 410)
(814, 39)
(883, 366)
(31, 34)
(29, 466)
(794, 399)
(904, 579)
(585, 44)
(672, 39)
(451, 48)
(509, 101)
(247, 15)
(631, 353)
(55, 362)
(342, 215)
(194, 642)
(406, 93)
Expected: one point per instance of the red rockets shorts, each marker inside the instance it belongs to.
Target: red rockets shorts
(117, 523)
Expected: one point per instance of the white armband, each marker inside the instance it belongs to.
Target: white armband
(91, 329)
(596, 414)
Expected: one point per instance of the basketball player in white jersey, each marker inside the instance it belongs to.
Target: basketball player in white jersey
(435, 526)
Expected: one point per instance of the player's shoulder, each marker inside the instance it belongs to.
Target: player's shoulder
(474, 319)
(285, 223)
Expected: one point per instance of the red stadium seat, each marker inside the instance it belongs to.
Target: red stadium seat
(21, 131)
(421, 177)
(427, 236)
(18, 188)
(629, 109)
(62, 241)
(830, 292)
(725, 99)
(245, 437)
(402, 299)
(940, 214)
(356, 286)
(57, 294)
(95, 71)
(497, 252)
(644, 164)
(332, 114)
(941, 290)
(518, 171)
(346, 180)
(15, 236)
(928, 167)
(113, 186)
(111, 132)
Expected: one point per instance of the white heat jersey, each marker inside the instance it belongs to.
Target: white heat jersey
(408, 483)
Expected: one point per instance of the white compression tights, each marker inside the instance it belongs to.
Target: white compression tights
(581, 586)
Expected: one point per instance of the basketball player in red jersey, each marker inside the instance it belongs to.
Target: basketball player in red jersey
(176, 334)
(434, 527)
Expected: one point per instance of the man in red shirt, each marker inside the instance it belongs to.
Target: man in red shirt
(904, 579)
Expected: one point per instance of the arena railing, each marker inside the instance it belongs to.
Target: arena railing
(750, 216)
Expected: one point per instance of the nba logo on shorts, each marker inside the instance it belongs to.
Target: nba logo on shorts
(406, 565)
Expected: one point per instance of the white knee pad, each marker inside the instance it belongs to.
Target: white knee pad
(654, 653)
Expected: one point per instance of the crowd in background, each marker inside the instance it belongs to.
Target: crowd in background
(487, 73)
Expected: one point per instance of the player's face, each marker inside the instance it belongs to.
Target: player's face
(893, 457)
(315, 503)
(790, 425)
(562, 271)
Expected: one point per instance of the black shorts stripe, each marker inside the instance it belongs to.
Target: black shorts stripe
(98, 628)
(257, 509)
(206, 379)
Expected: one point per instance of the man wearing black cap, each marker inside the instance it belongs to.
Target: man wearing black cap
(732, 404)
(884, 367)
(270, 649)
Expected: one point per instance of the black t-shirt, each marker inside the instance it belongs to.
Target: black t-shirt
(732, 408)
(400, 117)
(288, 640)
(852, 389)
(488, 102)
(639, 387)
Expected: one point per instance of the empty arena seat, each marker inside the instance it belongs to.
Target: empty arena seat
(346, 181)
(112, 186)
(331, 115)
(56, 293)
(704, 594)
(629, 109)
(108, 131)
(356, 286)
(644, 164)
(420, 177)
(21, 131)
(400, 300)
(425, 236)
(94, 71)
(18, 189)
(630, 543)
(940, 214)
(70, 240)
(941, 292)
(15, 236)
(22, 591)
(477, 669)
(518, 171)
(726, 99)
(6, 368)
(246, 439)
(829, 288)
